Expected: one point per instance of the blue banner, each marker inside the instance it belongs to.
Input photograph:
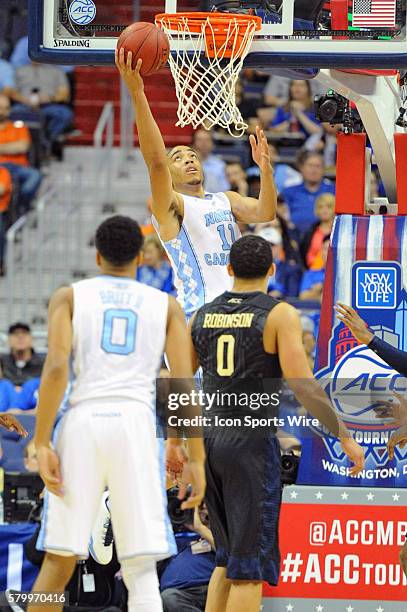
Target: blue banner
(365, 269)
(16, 572)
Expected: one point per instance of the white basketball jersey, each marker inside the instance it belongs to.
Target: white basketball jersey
(200, 253)
(119, 332)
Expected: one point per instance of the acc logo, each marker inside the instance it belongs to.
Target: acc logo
(82, 12)
(375, 285)
(359, 382)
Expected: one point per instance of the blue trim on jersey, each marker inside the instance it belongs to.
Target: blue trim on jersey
(172, 546)
(186, 249)
(41, 536)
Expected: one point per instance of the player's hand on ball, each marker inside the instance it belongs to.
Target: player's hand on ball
(131, 76)
(398, 438)
(260, 150)
(10, 422)
(50, 470)
(196, 478)
(355, 454)
(357, 326)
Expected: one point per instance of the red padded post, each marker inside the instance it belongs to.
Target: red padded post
(339, 16)
(350, 174)
(400, 141)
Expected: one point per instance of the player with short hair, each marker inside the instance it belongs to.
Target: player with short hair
(245, 340)
(116, 330)
(196, 228)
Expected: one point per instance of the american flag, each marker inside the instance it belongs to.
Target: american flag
(374, 13)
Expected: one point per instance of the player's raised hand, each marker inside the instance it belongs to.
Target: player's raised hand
(357, 326)
(10, 422)
(398, 438)
(130, 75)
(260, 150)
(355, 454)
(50, 470)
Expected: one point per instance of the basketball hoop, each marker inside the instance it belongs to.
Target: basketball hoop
(206, 74)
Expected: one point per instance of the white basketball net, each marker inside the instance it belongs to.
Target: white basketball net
(205, 86)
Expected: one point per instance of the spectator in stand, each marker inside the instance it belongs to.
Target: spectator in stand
(155, 270)
(15, 142)
(286, 256)
(44, 89)
(22, 363)
(7, 393)
(248, 105)
(297, 115)
(184, 578)
(213, 166)
(237, 178)
(26, 400)
(301, 198)
(311, 247)
(5, 196)
(277, 90)
(284, 175)
(7, 82)
(313, 280)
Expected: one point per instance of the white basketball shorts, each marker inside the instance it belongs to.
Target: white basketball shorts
(110, 445)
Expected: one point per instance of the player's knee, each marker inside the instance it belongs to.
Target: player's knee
(140, 578)
(60, 567)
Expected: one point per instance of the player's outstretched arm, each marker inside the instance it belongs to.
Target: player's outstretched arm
(392, 356)
(151, 142)
(263, 209)
(53, 385)
(179, 358)
(284, 325)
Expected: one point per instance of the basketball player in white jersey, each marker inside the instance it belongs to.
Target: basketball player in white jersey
(196, 228)
(115, 329)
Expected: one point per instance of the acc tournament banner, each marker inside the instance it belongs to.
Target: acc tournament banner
(367, 268)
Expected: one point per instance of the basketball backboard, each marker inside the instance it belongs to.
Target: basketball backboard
(350, 34)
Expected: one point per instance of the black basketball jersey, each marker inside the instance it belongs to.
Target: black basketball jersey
(228, 338)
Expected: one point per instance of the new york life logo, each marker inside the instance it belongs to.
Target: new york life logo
(375, 285)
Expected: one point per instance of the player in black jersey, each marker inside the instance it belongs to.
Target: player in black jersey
(245, 340)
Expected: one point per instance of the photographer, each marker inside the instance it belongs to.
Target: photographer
(184, 578)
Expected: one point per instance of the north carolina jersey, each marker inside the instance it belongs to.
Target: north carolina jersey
(119, 331)
(200, 253)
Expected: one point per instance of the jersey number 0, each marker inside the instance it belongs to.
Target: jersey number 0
(119, 331)
(225, 355)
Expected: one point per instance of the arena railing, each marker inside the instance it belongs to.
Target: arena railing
(103, 141)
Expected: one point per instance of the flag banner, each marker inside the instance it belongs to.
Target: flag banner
(374, 13)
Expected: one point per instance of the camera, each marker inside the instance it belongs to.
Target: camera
(331, 107)
(21, 497)
(289, 468)
(179, 518)
(335, 109)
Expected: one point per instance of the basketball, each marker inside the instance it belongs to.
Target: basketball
(146, 42)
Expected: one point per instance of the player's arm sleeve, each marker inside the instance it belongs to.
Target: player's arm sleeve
(297, 372)
(393, 357)
(179, 359)
(155, 156)
(55, 373)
